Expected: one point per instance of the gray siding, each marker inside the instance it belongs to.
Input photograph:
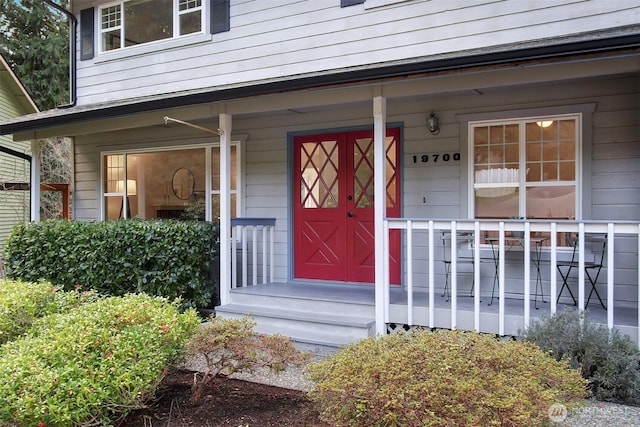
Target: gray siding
(282, 39)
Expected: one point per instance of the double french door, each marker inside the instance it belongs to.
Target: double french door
(333, 205)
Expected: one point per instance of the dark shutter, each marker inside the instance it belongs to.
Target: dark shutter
(345, 3)
(86, 34)
(220, 12)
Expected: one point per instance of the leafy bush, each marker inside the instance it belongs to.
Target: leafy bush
(21, 303)
(441, 379)
(93, 363)
(609, 360)
(165, 258)
(231, 345)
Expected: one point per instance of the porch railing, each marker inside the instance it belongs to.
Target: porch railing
(253, 238)
(420, 238)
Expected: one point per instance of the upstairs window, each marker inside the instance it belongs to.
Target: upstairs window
(525, 168)
(135, 22)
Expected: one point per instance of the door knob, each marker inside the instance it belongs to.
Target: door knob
(350, 214)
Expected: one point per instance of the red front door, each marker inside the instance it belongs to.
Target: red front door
(333, 199)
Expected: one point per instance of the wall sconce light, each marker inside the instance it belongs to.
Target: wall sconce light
(433, 124)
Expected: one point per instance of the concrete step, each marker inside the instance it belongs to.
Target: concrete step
(305, 303)
(312, 328)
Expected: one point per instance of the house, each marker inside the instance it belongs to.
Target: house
(342, 143)
(15, 157)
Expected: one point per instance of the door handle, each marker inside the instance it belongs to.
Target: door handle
(350, 214)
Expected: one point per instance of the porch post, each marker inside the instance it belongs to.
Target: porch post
(225, 207)
(379, 135)
(34, 194)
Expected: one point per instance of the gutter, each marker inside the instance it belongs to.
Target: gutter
(625, 45)
(72, 53)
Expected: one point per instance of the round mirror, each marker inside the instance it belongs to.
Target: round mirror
(183, 183)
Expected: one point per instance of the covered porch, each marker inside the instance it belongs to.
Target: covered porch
(334, 314)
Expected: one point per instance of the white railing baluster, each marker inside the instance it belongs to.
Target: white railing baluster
(234, 258)
(254, 254)
(476, 276)
(264, 254)
(454, 275)
(501, 282)
(610, 270)
(527, 274)
(409, 273)
(272, 233)
(432, 276)
(244, 257)
(581, 272)
(553, 280)
(385, 272)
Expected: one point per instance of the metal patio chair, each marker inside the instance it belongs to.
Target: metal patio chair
(463, 237)
(591, 268)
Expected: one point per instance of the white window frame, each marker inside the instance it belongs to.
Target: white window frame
(239, 190)
(176, 27)
(522, 183)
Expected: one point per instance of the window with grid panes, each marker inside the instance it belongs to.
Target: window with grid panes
(135, 22)
(525, 168)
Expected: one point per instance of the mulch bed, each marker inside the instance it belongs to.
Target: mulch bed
(226, 402)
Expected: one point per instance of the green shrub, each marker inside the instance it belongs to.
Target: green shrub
(441, 379)
(93, 363)
(172, 259)
(22, 302)
(609, 360)
(231, 345)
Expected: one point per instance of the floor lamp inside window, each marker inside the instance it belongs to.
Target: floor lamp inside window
(131, 191)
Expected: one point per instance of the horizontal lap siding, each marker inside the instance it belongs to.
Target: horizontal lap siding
(14, 205)
(273, 40)
(616, 176)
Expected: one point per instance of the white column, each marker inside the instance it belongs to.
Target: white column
(35, 181)
(379, 136)
(225, 208)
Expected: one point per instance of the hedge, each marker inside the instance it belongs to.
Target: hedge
(165, 258)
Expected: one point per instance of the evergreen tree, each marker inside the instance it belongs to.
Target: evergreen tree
(34, 39)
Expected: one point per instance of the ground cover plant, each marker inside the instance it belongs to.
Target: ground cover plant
(93, 363)
(609, 360)
(441, 379)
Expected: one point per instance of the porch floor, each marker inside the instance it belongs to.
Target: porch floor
(625, 318)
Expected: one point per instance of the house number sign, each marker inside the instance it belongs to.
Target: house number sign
(433, 158)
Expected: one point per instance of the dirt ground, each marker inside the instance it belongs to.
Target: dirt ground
(227, 402)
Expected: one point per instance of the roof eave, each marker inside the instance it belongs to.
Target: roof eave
(84, 114)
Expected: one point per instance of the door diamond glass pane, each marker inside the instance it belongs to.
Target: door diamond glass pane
(363, 172)
(319, 173)
(392, 161)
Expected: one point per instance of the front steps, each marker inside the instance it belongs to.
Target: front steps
(318, 319)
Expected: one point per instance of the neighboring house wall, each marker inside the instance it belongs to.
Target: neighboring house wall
(14, 205)
(279, 40)
(611, 162)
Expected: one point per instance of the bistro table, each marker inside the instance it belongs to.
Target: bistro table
(510, 242)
